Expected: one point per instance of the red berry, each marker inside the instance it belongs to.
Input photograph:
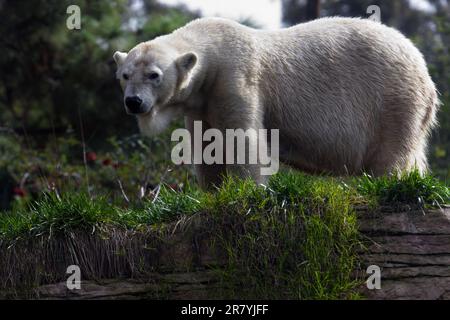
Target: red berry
(106, 162)
(19, 192)
(91, 156)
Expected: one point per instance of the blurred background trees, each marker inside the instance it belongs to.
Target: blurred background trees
(51, 75)
(55, 81)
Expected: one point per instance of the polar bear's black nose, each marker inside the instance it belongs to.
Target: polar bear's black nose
(133, 104)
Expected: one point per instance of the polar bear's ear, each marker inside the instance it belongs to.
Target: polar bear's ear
(187, 61)
(119, 57)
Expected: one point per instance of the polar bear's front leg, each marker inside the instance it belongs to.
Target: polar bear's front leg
(241, 123)
(208, 175)
(243, 160)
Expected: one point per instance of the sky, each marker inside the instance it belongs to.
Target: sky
(266, 13)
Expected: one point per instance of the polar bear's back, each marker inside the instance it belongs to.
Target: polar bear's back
(347, 64)
(340, 38)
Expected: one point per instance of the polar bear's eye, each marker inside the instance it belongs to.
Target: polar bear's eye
(153, 76)
(125, 76)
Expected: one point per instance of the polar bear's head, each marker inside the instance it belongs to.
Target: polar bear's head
(152, 76)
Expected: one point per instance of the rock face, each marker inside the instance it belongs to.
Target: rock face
(174, 263)
(188, 285)
(412, 250)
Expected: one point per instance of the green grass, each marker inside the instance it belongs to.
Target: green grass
(407, 188)
(60, 214)
(294, 238)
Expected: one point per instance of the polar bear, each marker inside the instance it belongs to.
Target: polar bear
(347, 95)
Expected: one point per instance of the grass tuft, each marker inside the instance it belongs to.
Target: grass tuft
(410, 188)
(54, 215)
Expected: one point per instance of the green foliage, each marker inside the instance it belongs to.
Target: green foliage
(128, 170)
(53, 77)
(297, 235)
(54, 214)
(410, 188)
(167, 205)
(164, 23)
